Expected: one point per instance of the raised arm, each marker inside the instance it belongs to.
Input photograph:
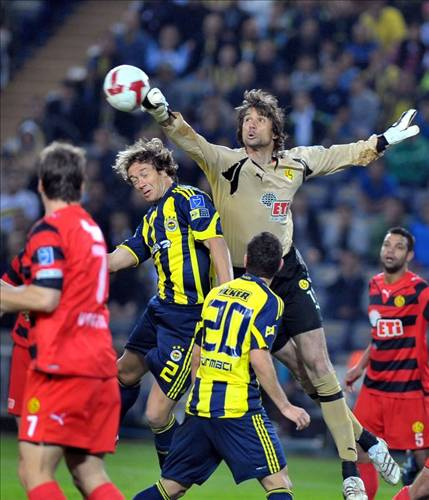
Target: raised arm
(263, 366)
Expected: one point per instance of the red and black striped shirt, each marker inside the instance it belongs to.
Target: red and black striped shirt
(399, 316)
(15, 275)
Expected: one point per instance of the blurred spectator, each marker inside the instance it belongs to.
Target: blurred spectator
(305, 42)
(422, 118)
(281, 89)
(131, 43)
(305, 76)
(307, 124)
(344, 296)
(364, 106)
(376, 185)
(170, 50)
(345, 230)
(361, 46)
(411, 51)
(385, 22)
(19, 206)
(420, 229)
(347, 70)
(224, 74)
(267, 63)
(393, 214)
(250, 36)
(5, 69)
(306, 232)
(408, 162)
(328, 97)
(246, 79)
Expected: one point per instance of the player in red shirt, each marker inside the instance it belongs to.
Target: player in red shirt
(391, 402)
(71, 398)
(20, 360)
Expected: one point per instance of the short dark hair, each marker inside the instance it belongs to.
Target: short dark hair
(264, 253)
(406, 234)
(267, 105)
(62, 171)
(146, 151)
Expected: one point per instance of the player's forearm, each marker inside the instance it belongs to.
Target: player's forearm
(28, 298)
(221, 259)
(195, 363)
(364, 360)
(265, 372)
(120, 259)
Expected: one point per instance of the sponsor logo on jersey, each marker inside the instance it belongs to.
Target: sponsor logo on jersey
(171, 224)
(11, 403)
(58, 418)
(93, 320)
(278, 208)
(33, 405)
(198, 213)
(418, 426)
(389, 328)
(45, 256)
(216, 363)
(399, 301)
(162, 244)
(197, 201)
(270, 330)
(303, 284)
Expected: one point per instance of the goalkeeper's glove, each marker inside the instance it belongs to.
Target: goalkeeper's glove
(400, 130)
(156, 105)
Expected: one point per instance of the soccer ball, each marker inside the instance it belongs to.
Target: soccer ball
(126, 87)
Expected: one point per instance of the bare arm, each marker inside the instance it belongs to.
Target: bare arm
(119, 259)
(263, 367)
(357, 370)
(221, 259)
(195, 363)
(29, 298)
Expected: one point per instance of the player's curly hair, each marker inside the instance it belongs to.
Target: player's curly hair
(267, 105)
(146, 151)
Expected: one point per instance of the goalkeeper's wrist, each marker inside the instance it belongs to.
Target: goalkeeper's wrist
(381, 143)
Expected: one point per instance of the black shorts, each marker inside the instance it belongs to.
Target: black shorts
(301, 308)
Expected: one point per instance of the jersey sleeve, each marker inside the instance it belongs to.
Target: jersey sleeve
(424, 298)
(211, 158)
(136, 245)
(319, 160)
(44, 250)
(266, 324)
(12, 276)
(202, 216)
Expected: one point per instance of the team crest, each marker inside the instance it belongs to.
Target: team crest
(177, 353)
(418, 426)
(288, 173)
(277, 207)
(304, 284)
(399, 301)
(171, 224)
(33, 405)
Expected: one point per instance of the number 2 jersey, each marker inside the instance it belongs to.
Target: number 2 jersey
(237, 316)
(66, 251)
(399, 317)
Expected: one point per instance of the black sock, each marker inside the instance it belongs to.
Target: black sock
(349, 469)
(366, 440)
(163, 438)
(129, 395)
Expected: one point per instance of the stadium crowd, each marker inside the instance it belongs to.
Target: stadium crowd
(341, 69)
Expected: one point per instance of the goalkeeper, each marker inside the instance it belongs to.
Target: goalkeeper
(253, 188)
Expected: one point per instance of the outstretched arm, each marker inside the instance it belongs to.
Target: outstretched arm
(221, 259)
(263, 366)
(29, 298)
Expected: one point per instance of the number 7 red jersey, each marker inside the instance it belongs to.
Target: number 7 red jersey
(66, 251)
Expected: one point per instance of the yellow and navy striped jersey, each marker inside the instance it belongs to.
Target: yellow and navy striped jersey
(238, 316)
(172, 233)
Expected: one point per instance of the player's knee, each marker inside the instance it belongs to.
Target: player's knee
(156, 418)
(174, 489)
(129, 373)
(278, 480)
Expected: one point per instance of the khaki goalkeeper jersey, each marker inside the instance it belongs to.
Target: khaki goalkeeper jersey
(251, 198)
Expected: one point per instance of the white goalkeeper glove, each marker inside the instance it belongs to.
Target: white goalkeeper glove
(156, 105)
(401, 129)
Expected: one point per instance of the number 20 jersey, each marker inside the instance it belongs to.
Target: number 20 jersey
(66, 252)
(237, 316)
(399, 316)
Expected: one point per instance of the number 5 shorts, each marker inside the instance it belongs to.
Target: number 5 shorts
(164, 335)
(402, 422)
(79, 412)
